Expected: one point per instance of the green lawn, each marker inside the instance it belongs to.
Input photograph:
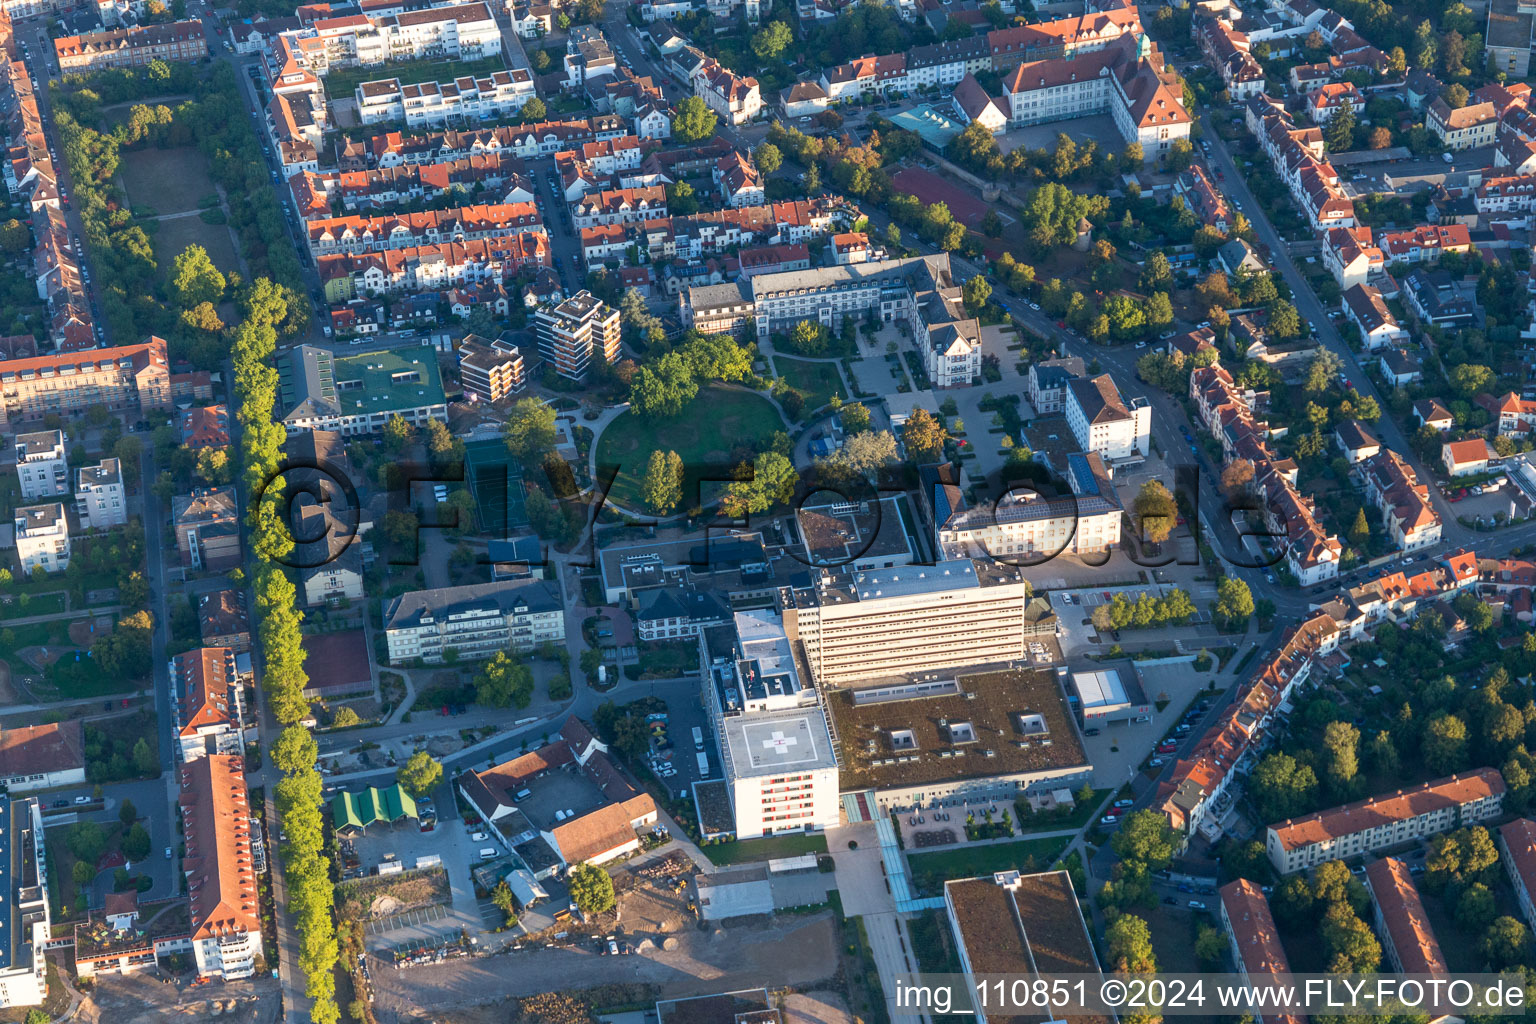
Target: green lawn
(342, 83)
(704, 435)
(931, 870)
(1048, 822)
(818, 382)
(793, 844)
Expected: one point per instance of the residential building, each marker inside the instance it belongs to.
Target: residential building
(1424, 243)
(207, 525)
(1393, 487)
(1048, 382)
(1357, 443)
(1517, 850)
(100, 501)
(1389, 819)
(475, 620)
(379, 233)
(1429, 412)
(42, 756)
(1024, 527)
(42, 538)
(42, 465)
(204, 427)
(1509, 39)
(131, 379)
(1104, 423)
(1467, 458)
(972, 104)
(460, 31)
(223, 621)
(490, 369)
(1021, 926)
(205, 694)
(23, 966)
(736, 98)
(1467, 127)
(671, 613)
(357, 394)
(131, 47)
(850, 247)
(1234, 741)
(857, 627)
(1399, 367)
(221, 880)
(1255, 942)
(1368, 311)
(803, 99)
(576, 332)
(1512, 415)
(1327, 100)
(1437, 297)
(1407, 937)
(496, 96)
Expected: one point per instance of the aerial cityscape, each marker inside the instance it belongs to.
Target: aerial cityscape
(706, 511)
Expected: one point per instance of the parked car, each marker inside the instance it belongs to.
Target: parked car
(169, 853)
(1196, 905)
(1107, 820)
(479, 837)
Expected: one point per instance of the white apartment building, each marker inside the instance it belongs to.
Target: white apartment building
(100, 501)
(465, 100)
(42, 538)
(735, 98)
(458, 31)
(1025, 527)
(1104, 423)
(475, 620)
(1390, 819)
(858, 626)
(221, 878)
(42, 465)
(24, 859)
(578, 331)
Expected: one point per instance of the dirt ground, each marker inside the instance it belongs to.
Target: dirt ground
(80, 633)
(145, 999)
(793, 951)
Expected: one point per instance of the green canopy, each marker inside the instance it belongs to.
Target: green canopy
(359, 810)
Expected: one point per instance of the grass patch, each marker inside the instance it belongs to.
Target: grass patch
(704, 435)
(170, 180)
(171, 237)
(342, 83)
(931, 870)
(932, 944)
(817, 382)
(1052, 821)
(742, 851)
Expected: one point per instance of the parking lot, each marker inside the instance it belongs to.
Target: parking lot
(684, 712)
(1119, 749)
(1474, 507)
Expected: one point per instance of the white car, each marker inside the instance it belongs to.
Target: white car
(1196, 905)
(479, 837)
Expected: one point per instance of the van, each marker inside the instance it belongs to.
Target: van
(487, 853)
(1143, 718)
(522, 794)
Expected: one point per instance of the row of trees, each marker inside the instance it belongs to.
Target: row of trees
(310, 892)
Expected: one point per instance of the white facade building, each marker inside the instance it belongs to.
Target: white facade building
(100, 501)
(23, 968)
(42, 465)
(475, 620)
(1104, 423)
(42, 538)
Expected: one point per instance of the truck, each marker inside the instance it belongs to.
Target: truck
(698, 738)
(703, 764)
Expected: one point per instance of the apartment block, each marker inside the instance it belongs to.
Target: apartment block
(475, 620)
(133, 379)
(1254, 941)
(490, 369)
(352, 395)
(1394, 488)
(1407, 937)
(858, 627)
(42, 538)
(1104, 423)
(131, 47)
(1517, 852)
(24, 858)
(1389, 819)
(576, 332)
(498, 95)
(42, 465)
(205, 694)
(100, 500)
(207, 525)
(219, 866)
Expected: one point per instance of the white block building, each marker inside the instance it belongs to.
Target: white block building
(42, 538)
(42, 465)
(100, 501)
(1104, 423)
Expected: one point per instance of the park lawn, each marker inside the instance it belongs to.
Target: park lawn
(171, 237)
(166, 180)
(817, 382)
(931, 870)
(769, 847)
(343, 82)
(703, 435)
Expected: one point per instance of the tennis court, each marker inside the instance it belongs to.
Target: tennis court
(496, 481)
